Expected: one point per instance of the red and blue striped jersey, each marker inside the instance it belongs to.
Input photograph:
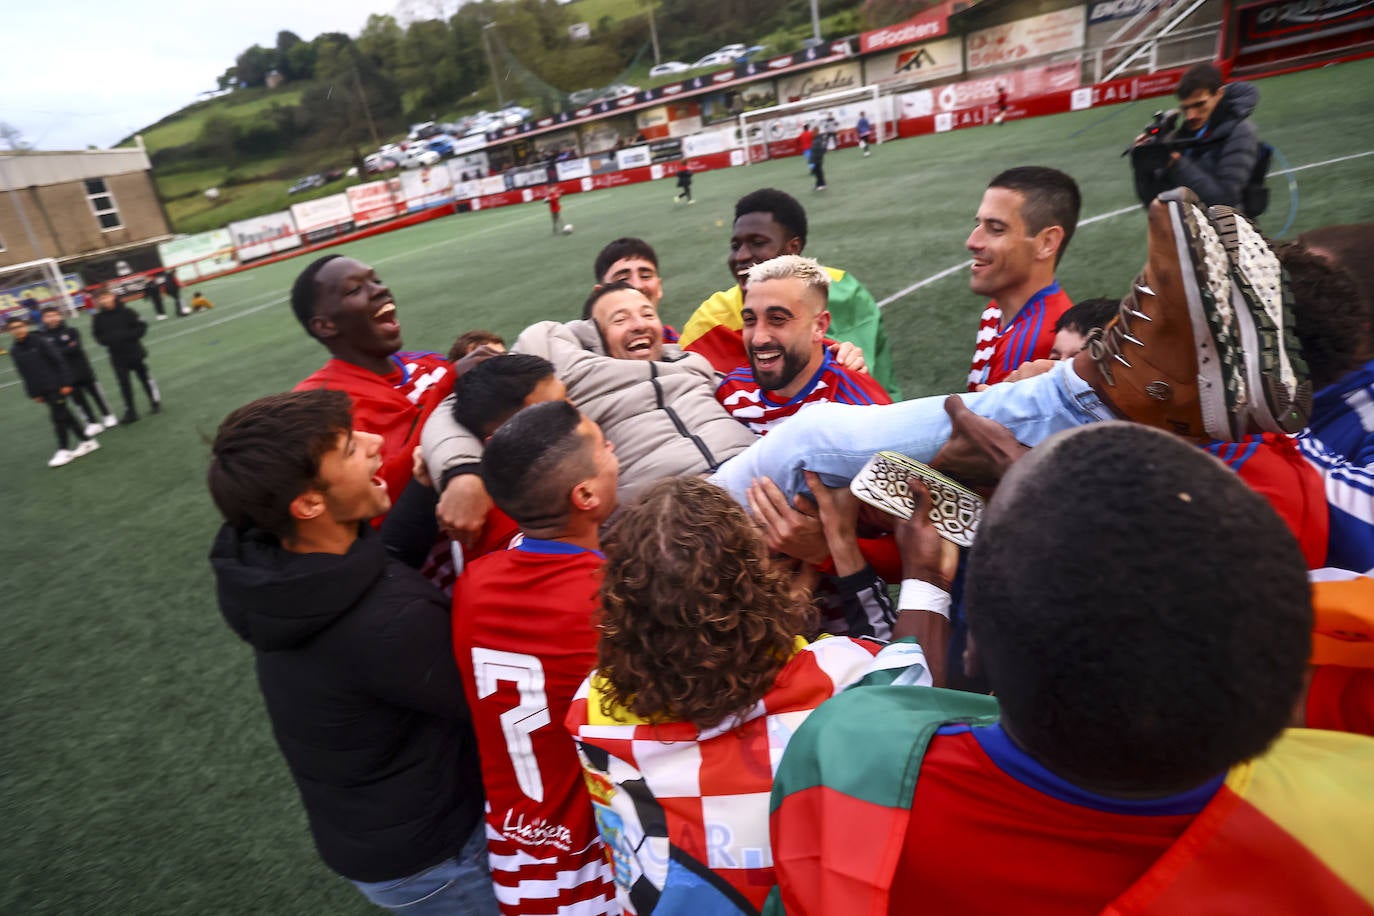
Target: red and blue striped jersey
(999, 351)
(739, 393)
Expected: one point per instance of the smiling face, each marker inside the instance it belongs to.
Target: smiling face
(354, 490)
(784, 329)
(756, 238)
(1004, 255)
(629, 325)
(355, 316)
(639, 273)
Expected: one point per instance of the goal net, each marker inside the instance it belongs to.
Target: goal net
(769, 133)
(35, 285)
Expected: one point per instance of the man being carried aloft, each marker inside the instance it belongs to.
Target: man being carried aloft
(768, 223)
(1024, 224)
(784, 325)
(523, 637)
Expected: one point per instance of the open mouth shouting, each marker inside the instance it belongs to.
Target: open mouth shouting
(640, 346)
(385, 319)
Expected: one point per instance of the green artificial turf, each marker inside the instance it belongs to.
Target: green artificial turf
(137, 768)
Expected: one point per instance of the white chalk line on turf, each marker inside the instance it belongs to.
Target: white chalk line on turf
(934, 278)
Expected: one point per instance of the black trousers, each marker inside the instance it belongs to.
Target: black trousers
(126, 390)
(79, 392)
(63, 422)
(818, 169)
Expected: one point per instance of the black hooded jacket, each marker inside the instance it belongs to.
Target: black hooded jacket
(67, 340)
(40, 365)
(1219, 166)
(355, 662)
(120, 330)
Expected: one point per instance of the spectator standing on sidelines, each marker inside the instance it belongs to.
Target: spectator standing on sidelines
(173, 288)
(46, 380)
(67, 339)
(120, 331)
(152, 290)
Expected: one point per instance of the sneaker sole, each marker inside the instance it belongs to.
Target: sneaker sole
(1222, 391)
(1278, 372)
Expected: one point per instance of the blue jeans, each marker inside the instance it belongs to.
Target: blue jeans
(836, 440)
(455, 887)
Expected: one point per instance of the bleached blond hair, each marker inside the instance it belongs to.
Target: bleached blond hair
(789, 266)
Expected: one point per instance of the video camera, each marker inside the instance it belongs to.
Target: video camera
(1150, 154)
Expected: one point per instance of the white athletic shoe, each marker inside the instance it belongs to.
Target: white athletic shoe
(161, 317)
(60, 458)
(110, 421)
(85, 448)
(93, 429)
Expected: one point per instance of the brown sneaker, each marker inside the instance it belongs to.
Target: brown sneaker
(1276, 373)
(1173, 358)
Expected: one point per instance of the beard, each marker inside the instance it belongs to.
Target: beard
(781, 373)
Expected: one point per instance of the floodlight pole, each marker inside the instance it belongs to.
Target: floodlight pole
(491, 62)
(653, 33)
(816, 21)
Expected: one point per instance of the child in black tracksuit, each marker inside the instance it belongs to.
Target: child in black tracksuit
(119, 329)
(44, 372)
(67, 339)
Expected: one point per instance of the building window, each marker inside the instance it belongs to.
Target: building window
(102, 204)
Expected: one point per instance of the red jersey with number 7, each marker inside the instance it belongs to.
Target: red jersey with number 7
(524, 642)
(393, 406)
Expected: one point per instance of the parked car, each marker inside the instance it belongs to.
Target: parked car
(717, 59)
(418, 158)
(334, 174)
(377, 162)
(668, 67)
(306, 183)
(584, 96)
(618, 91)
(520, 111)
(423, 131)
(443, 145)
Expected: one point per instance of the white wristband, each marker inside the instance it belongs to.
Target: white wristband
(922, 596)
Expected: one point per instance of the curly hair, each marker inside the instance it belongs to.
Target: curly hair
(696, 620)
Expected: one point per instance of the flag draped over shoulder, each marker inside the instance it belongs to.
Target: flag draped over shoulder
(714, 330)
(1288, 832)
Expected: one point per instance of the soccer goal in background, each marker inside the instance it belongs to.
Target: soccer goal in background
(772, 132)
(41, 281)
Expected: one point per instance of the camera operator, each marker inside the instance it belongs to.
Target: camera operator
(1216, 150)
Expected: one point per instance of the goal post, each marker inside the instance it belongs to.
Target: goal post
(777, 127)
(40, 281)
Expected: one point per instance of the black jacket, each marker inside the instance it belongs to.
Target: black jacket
(40, 366)
(355, 663)
(1219, 166)
(120, 330)
(67, 340)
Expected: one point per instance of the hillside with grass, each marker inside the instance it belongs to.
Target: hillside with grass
(305, 107)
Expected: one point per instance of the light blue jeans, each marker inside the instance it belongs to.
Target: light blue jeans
(836, 440)
(460, 886)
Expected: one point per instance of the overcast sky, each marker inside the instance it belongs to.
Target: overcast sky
(80, 72)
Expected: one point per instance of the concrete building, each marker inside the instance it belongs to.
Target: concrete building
(88, 210)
